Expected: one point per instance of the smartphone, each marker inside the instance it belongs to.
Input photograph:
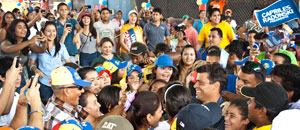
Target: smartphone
(68, 25)
(38, 33)
(37, 10)
(43, 10)
(89, 6)
(18, 62)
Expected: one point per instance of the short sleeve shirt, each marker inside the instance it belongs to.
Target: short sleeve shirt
(48, 62)
(107, 30)
(155, 34)
(72, 48)
(228, 33)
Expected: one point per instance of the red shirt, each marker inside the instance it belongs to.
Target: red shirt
(192, 35)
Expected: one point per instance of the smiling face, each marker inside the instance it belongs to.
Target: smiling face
(92, 106)
(234, 120)
(106, 48)
(132, 18)
(9, 18)
(188, 56)
(21, 30)
(92, 76)
(86, 20)
(164, 73)
(153, 122)
(50, 32)
(216, 17)
(104, 80)
(203, 88)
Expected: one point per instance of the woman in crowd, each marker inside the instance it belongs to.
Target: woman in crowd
(133, 78)
(164, 69)
(130, 33)
(236, 116)
(48, 60)
(89, 40)
(181, 40)
(90, 74)
(7, 19)
(156, 84)
(90, 104)
(104, 76)
(109, 97)
(106, 47)
(175, 97)
(188, 58)
(145, 111)
(118, 19)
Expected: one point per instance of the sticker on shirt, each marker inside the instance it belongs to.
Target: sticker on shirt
(106, 33)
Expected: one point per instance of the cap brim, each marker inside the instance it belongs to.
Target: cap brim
(83, 83)
(129, 72)
(215, 111)
(248, 91)
(122, 65)
(161, 66)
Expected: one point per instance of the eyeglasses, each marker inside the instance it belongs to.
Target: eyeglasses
(79, 87)
(253, 65)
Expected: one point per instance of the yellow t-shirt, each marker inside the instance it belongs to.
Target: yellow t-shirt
(228, 33)
(132, 35)
(266, 127)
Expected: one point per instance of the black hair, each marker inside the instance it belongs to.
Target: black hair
(191, 20)
(255, 8)
(216, 73)
(83, 98)
(84, 70)
(287, 59)
(56, 42)
(259, 76)
(157, 81)
(214, 53)
(104, 10)
(158, 10)
(114, 77)
(61, 4)
(48, 14)
(290, 78)
(161, 47)
(119, 11)
(91, 27)
(172, 78)
(145, 103)
(108, 98)
(176, 97)
(15, 10)
(252, 31)
(11, 34)
(211, 11)
(220, 33)
(6, 62)
(72, 65)
(3, 18)
(242, 106)
(237, 50)
(212, 48)
(181, 61)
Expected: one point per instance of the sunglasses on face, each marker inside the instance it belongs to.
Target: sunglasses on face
(79, 87)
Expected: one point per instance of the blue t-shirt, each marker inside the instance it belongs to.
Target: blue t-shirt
(48, 62)
(155, 34)
(72, 48)
(198, 25)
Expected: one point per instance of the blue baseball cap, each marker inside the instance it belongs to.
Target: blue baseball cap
(240, 63)
(198, 116)
(64, 75)
(132, 68)
(164, 61)
(292, 45)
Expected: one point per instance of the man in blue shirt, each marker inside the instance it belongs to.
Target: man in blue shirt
(66, 34)
(156, 32)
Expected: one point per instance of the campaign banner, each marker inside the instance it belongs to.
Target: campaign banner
(277, 13)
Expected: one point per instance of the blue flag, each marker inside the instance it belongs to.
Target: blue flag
(277, 13)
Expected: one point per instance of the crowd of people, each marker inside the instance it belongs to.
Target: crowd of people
(86, 70)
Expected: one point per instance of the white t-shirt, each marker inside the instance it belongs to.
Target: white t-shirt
(6, 119)
(107, 30)
(163, 125)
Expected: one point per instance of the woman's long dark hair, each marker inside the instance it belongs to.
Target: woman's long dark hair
(108, 98)
(12, 37)
(145, 102)
(56, 43)
(91, 27)
(181, 61)
(3, 18)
